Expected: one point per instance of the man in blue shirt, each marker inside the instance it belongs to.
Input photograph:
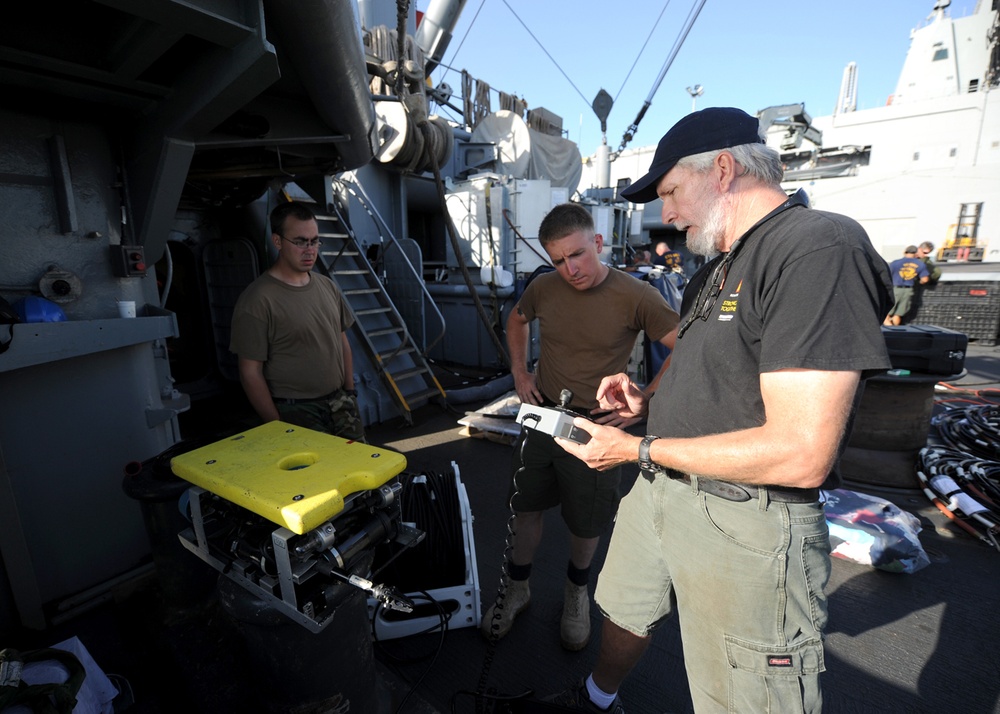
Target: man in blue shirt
(667, 258)
(907, 272)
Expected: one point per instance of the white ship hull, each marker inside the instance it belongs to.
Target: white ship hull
(934, 146)
(905, 169)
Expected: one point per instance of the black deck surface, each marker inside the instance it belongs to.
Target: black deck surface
(924, 642)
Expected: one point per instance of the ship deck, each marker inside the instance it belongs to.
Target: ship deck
(922, 642)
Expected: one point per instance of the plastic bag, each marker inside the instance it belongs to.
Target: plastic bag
(872, 531)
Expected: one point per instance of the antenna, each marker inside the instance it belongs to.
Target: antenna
(695, 92)
(630, 132)
(847, 101)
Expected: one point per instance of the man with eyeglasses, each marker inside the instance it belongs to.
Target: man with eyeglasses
(289, 332)
(724, 524)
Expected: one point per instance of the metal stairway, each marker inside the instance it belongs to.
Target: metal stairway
(382, 330)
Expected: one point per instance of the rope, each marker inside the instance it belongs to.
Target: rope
(642, 49)
(402, 10)
(457, 248)
(459, 48)
(513, 103)
(585, 100)
(481, 107)
(468, 110)
(517, 233)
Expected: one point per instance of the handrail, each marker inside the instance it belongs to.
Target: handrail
(351, 183)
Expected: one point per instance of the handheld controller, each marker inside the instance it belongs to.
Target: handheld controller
(555, 421)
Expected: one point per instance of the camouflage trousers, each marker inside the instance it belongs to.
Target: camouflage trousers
(337, 414)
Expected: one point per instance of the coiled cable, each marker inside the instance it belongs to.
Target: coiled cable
(974, 430)
(482, 692)
(962, 478)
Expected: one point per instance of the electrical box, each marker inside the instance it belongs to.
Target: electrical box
(128, 261)
(453, 604)
(477, 210)
(530, 201)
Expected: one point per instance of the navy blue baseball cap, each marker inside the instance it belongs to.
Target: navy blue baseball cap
(705, 130)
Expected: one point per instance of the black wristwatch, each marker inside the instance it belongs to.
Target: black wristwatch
(645, 463)
(352, 392)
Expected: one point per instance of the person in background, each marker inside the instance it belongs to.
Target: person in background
(668, 259)
(641, 259)
(659, 250)
(589, 316)
(665, 257)
(289, 333)
(724, 526)
(924, 251)
(907, 272)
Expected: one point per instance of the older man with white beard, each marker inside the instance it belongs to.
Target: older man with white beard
(777, 333)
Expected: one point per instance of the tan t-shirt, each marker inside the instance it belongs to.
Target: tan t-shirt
(588, 335)
(295, 332)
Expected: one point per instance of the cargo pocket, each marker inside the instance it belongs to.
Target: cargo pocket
(815, 558)
(774, 680)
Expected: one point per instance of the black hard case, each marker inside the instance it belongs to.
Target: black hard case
(926, 348)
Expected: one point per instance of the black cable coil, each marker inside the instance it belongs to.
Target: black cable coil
(430, 501)
(971, 456)
(974, 430)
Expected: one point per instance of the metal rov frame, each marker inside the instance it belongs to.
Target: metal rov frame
(302, 570)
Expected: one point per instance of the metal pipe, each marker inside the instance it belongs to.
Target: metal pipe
(322, 39)
(434, 32)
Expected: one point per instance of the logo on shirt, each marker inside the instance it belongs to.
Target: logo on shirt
(727, 311)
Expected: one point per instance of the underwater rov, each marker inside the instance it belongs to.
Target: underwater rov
(291, 518)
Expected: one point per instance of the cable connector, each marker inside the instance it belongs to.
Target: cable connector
(385, 594)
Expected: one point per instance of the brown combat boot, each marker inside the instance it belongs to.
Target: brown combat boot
(497, 621)
(574, 628)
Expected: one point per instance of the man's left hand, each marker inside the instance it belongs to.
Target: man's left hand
(610, 417)
(608, 447)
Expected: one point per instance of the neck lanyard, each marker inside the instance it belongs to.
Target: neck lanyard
(700, 310)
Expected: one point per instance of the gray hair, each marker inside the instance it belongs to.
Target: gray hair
(758, 160)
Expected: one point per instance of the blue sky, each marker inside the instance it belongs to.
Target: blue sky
(746, 54)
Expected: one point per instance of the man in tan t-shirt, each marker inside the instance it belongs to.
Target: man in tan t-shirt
(589, 317)
(289, 332)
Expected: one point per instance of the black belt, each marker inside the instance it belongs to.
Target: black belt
(301, 400)
(743, 491)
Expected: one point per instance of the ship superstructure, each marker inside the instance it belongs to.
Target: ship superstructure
(923, 167)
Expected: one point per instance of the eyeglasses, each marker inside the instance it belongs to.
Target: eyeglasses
(701, 310)
(302, 243)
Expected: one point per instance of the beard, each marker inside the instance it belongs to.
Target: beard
(711, 229)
